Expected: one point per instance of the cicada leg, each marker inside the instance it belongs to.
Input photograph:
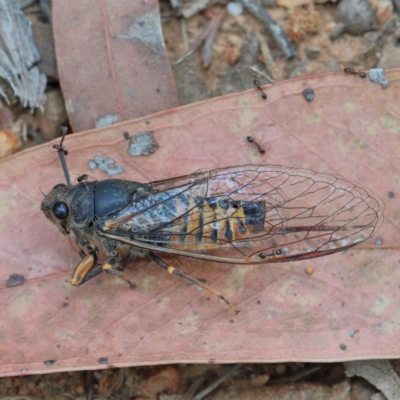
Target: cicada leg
(88, 268)
(113, 267)
(177, 272)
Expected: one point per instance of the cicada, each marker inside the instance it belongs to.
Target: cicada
(248, 214)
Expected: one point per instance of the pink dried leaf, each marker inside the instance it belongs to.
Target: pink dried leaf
(337, 313)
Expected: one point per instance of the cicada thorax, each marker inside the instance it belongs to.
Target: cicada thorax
(80, 206)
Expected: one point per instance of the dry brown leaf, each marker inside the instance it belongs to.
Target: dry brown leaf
(111, 61)
(347, 309)
(378, 373)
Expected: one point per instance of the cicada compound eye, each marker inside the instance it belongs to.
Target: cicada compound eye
(60, 210)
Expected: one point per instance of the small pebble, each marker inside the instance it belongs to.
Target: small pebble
(308, 94)
(312, 52)
(309, 270)
(377, 75)
(234, 8)
(15, 280)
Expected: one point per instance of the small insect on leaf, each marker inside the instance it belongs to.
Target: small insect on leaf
(82, 178)
(250, 139)
(246, 214)
(351, 71)
(258, 86)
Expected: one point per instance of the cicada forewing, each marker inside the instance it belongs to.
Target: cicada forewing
(249, 215)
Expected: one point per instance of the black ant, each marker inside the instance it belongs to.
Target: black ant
(250, 139)
(82, 178)
(361, 74)
(258, 86)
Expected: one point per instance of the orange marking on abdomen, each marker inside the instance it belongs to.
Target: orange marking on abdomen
(211, 226)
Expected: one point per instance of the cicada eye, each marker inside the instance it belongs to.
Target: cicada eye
(60, 210)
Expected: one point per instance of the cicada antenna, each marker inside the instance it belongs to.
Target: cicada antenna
(62, 152)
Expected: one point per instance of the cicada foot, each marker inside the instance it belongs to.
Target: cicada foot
(113, 267)
(177, 272)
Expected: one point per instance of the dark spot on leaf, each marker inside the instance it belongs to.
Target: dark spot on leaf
(353, 332)
(308, 94)
(15, 280)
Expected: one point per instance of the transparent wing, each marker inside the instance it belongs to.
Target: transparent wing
(250, 214)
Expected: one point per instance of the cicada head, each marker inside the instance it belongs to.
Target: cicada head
(69, 207)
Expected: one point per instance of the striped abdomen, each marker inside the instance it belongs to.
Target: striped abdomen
(198, 223)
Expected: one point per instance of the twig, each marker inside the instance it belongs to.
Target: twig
(266, 52)
(208, 48)
(288, 48)
(261, 73)
(193, 388)
(192, 8)
(196, 44)
(184, 34)
(201, 38)
(216, 383)
(250, 51)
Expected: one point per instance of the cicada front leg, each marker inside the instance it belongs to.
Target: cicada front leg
(88, 268)
(173, 271)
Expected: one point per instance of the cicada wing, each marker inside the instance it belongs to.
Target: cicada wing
(251, 213)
